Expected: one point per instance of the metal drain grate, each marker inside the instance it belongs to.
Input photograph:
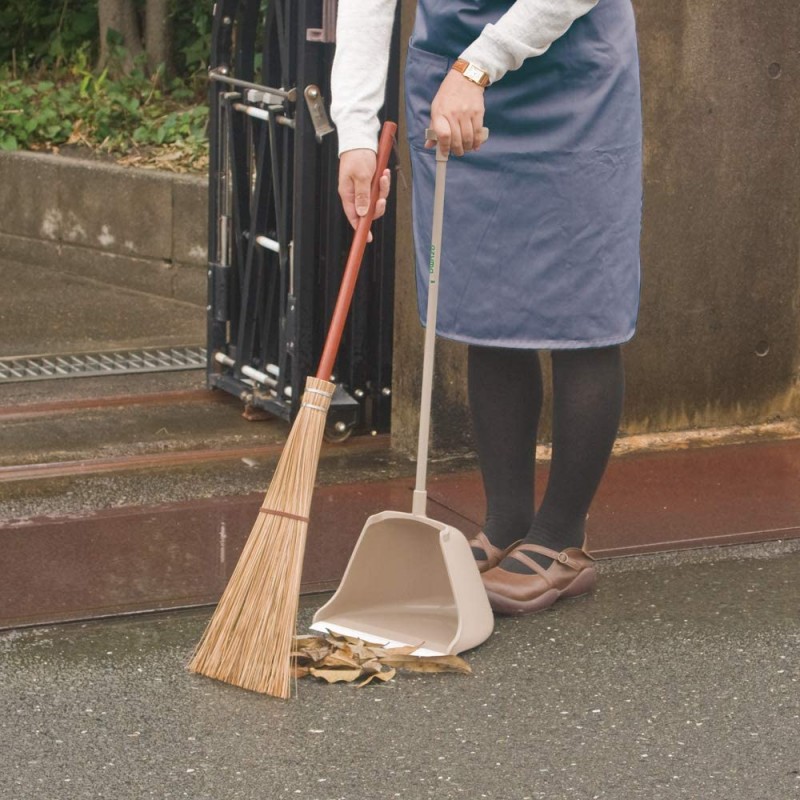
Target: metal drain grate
(111, 362)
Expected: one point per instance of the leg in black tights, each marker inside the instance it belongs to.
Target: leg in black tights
(505, 396)
(588, 388)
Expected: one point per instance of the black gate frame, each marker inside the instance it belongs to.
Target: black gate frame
(278, 239)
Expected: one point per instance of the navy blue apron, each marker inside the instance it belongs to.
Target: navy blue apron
(541, 229)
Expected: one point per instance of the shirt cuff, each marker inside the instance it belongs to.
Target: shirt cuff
(489, 55)
(357, 135)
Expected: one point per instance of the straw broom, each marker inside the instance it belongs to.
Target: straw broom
(248, 641)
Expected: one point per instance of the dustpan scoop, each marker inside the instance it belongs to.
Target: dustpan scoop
(412, 580)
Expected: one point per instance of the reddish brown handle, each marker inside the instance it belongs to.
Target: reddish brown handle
(355, 258)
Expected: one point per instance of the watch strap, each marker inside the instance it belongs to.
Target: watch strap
(471, 72)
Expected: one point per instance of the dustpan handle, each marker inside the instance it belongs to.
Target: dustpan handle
(355, 258)
(420, 501)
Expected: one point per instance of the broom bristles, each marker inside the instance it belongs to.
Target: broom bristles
(248, 641)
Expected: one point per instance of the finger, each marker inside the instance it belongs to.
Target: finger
(456, 142)
(385, 183)
(347, 194)
(383, 194)
(353, 219)
(361, 196)
(467, 136)
(477, 124)
(443, 133)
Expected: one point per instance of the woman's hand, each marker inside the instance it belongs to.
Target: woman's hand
(457, 114)
(356, 168)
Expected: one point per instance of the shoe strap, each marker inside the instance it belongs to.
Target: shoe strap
(481, 541)
(562, 558)
(535, 567)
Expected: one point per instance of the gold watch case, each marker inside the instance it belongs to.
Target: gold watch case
(472, 72)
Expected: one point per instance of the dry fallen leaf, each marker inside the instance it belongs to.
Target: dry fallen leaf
(383, 675)
(301, 672)
(341, 659)
(312, 653)
(338, 659)
(428, 663)
(336, 675)
(407, 650)
(362, 651)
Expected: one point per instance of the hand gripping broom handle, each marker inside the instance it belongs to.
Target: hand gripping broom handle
(355, 258)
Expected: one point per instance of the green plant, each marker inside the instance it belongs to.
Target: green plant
(192, 36)
(35, 32)
(114, 116)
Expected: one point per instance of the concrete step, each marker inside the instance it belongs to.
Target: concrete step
(142, 532)
(136, 493)
(130, 425)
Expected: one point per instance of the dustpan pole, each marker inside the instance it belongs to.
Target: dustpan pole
(420, 500)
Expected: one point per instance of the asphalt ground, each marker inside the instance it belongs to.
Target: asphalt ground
(678, 678)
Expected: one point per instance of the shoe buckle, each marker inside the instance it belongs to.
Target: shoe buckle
(563, 558)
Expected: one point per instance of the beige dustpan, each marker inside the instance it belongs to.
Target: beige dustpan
(412, 580)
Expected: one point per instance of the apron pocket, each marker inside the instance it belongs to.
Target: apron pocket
(424, 74)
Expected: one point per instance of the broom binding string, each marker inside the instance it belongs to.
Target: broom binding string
(276, 513)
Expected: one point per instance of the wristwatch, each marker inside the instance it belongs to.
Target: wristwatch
(471, 72)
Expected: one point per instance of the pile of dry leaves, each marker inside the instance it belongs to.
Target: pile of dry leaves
(176, 157)
(336, 658)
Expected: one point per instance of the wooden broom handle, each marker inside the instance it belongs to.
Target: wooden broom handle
(355, 258)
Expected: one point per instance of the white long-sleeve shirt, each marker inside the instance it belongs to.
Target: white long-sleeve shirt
(363, 37)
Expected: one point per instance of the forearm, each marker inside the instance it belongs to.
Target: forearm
(360, 66)
(527, 29)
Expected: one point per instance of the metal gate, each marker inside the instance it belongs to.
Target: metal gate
(278, 239)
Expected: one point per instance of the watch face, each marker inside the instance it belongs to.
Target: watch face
(473, 73)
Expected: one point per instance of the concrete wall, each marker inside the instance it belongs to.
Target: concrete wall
(719, 332)
(137, 228)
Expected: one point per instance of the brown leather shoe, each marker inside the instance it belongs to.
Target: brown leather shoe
(494, 555)
(572, 573)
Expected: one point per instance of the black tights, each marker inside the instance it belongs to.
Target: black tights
(505, 396)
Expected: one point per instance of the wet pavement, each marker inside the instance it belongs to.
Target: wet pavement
(678, 678)
(136, 492)
(89, 543)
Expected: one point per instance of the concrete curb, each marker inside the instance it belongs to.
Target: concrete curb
(141, 229)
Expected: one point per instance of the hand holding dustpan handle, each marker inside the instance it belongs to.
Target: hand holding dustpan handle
(432, 136)
(355, 258)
